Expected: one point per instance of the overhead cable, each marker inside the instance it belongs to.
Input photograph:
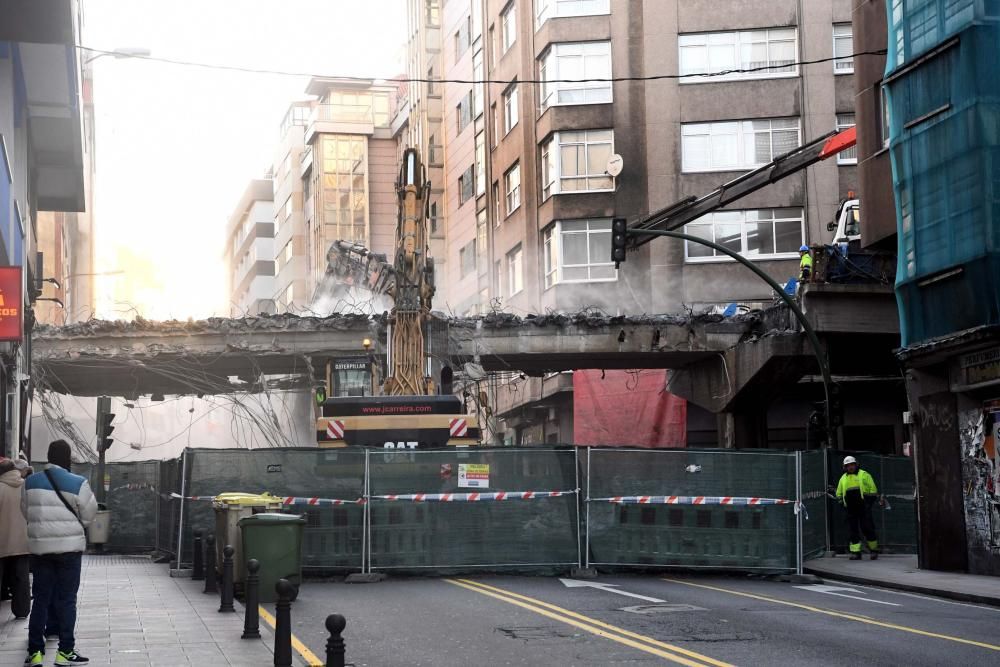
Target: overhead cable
(506, 82)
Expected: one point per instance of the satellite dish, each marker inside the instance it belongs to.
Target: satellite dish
(615, 165)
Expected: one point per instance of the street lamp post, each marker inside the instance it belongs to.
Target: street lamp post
(829, 389)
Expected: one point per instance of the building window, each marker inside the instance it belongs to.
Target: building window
(493, 47)
(464, 112)
(430, 81)
(515, 277)
(477, 88)
(758, 234)
(480, 164)
(498, 277)
(550, 9)
(510, 111)
(289, 296)
(508, 26)
(736, 145)
(578, 251)
(497, 214)
(465, 186)
(849, 156)
(288, 207)
(883, 115)
(512, 186)
(463, 37)
(467, 258)
(843, 48)
(770, 52)
(575, 60)
(433, 13)
(433, 214)
(494, 114)
(341, 193)
(577, 162)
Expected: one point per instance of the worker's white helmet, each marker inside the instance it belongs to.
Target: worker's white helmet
(849, 459)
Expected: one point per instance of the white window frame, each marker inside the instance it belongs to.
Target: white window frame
(480, 164)
(512, 195)
(552, 168)
(736, 41)
(849, 155)
(553, 258)
(843, 65)
(710, 219)
(551, 9)
(515, 270)
(594, 92)
(511, 112)
(742, 129)
(508, 26)
(883, 115)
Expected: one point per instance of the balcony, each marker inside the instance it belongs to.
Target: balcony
(340, 119)
(305, 160)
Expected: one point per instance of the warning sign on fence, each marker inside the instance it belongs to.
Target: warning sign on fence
(473, 475)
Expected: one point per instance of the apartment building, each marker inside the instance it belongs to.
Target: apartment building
(249, 253)
(334, 180)
(42, 168)
(527, 199)
(291, 291)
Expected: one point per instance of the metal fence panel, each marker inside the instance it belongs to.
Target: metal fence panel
(530, 534)
(896, 524)
(168, 509)
(694, 532)
(333, 534)
(814, 499)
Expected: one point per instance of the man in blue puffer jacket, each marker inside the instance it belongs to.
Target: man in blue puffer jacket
(58, 505)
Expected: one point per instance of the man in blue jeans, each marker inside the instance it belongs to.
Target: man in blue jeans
(59, 505)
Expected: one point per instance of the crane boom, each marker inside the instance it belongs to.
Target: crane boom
(691, 208)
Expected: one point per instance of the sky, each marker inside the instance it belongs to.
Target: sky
(177, 145)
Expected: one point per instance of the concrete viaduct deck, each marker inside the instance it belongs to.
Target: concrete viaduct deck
(219, 355)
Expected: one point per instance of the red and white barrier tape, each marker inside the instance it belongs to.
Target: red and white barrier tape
(735, 501)
(692, 500)
(287, 500)
(473, 497)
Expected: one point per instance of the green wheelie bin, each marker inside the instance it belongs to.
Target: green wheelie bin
(275, 540)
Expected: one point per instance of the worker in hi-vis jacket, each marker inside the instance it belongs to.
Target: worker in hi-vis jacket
(858, 493)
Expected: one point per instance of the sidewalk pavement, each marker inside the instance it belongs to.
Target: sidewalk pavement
(131, 612)
(901, 572)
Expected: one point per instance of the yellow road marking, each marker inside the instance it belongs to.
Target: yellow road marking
(592, 625)
(299, 647)
(839, 614)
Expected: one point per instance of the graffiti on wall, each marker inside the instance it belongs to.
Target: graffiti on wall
(979, 435)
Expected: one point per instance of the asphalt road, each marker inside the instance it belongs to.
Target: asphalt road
(676, 619)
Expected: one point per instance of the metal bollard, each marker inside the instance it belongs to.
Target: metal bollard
(226, 596)
(283, 624)
(211, 585)
(335, 624)
(251, 619)
(198, 571)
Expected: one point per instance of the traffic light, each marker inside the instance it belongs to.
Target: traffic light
(619, 239)
(104, 429)
(320, 394)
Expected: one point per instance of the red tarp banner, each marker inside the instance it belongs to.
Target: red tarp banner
(11, 317)
(627, 409)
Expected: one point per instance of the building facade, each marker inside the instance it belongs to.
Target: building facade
(526, 196)
(41, 169)
(334, 180)
(249, 254)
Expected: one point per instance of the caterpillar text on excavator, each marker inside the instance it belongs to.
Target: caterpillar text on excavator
(412, 411)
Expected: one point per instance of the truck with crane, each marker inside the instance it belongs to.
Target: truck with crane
(408, 409)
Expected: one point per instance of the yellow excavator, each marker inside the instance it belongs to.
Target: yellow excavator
(409, 412)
